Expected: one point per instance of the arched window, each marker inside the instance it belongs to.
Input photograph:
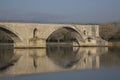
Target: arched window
(84, 32)
(89, 39)
(35, 33)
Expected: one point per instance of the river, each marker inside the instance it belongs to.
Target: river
(61, 62)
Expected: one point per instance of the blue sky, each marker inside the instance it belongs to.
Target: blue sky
(80, 11)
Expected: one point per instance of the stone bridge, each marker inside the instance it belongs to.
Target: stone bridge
(36, 34)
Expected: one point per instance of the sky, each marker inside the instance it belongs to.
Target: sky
(73, 11)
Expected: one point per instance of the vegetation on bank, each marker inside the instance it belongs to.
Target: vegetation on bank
(111, 33)
(5, 38)
(61, 35)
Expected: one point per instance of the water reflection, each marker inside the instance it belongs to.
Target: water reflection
(7, 57)
(52, 59)
(112, 58)
(75, 57)
(64, 57)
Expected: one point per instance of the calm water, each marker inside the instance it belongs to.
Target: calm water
(60, 63)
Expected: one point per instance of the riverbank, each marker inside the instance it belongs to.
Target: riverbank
(6, 43)
(114, 43)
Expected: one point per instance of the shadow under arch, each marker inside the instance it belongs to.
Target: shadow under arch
(10, 33)
(76, 36)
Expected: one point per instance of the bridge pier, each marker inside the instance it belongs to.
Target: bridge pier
(93, 42)
(32, 43)
(41, 43)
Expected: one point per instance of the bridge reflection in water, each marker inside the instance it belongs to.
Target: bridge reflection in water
(51, 59)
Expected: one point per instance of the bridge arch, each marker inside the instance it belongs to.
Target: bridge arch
(11, 33)
(77, 35)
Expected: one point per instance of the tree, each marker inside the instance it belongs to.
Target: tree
(108, 30)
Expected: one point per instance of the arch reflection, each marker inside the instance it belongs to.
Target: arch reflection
(75, 57)
(7, 56)
(65, 57)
